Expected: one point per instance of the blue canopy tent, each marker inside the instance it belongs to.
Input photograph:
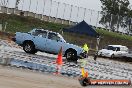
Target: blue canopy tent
(82, 28)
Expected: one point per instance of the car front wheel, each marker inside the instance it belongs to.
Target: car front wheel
(100, 54)
(112, 56)
(71, 55)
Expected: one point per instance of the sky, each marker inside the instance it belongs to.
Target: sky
(90, 4)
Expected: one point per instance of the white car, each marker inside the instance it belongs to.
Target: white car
(113, 51)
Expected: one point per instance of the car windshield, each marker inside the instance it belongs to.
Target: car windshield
(56, 36)
(39, 33)
(62, 39)
(113, 48)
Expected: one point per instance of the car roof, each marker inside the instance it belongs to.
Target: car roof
(47, 31)
(117, 45)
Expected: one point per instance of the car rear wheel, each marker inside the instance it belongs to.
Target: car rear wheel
(71, 55)
(29, 47)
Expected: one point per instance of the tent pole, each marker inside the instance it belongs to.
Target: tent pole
(97, 45)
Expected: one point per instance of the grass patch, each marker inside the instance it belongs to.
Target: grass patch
(114, 35)
(24, 24)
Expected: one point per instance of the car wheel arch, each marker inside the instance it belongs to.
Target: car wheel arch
(112, 55)
(28, 42)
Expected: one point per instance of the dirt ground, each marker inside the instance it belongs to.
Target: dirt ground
(19, 78)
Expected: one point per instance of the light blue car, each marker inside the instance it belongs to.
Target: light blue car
(47, 41)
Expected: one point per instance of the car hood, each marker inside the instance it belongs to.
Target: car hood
(77, 48)
(74, 46)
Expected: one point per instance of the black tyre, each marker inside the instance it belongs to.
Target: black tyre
(29, 47)
(71, 55)
(100, 55)
(86, 82)
(112, 56)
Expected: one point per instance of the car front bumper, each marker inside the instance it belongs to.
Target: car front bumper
(104, 54)
(14, 39)
(83, 55)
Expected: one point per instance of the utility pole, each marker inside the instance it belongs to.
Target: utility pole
(70, 14)
(44, 1)
(85, 9)
(64, 13)
(97, 19)
(57, 11)
(36, 9)
(16, 5)
(29, 8)
(50, 11)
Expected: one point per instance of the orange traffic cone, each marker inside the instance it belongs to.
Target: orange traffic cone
(86, 75)
(59, 58)
(59, 62)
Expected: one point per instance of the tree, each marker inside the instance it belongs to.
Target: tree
(114, 11)
(129, 20)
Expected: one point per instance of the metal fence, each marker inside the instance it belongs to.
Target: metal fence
(56, 10)
(53, 11)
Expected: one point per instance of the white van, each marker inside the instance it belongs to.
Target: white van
(113, 51)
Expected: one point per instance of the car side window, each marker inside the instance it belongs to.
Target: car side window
(53, 36)
(36, 32)
(117, 49)
(40, 33)
(43, 34)
(124, 49)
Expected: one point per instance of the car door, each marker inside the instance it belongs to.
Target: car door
(39, 39)
(53, 43)
(118, 52)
